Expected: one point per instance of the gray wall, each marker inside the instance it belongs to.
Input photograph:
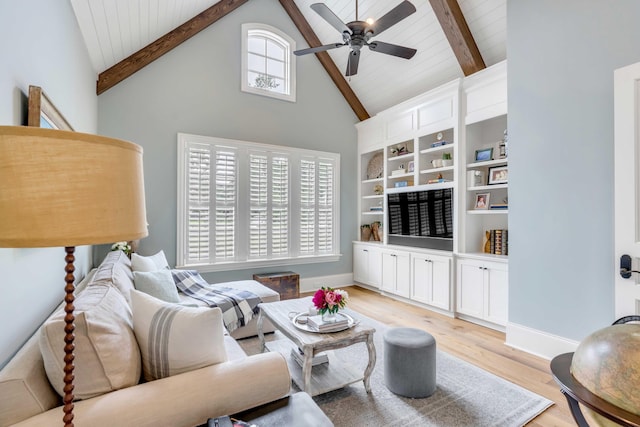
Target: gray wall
(40, 44)
(196, 89)
(561, 60)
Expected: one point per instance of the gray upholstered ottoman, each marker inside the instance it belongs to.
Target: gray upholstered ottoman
(410, 362)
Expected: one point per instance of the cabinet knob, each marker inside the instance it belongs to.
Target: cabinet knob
(365, 250)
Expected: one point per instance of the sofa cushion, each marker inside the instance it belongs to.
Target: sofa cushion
(115, 270)
(154, 262)
(106, 352)
(174, 338)
(24, 388)
(158, 284)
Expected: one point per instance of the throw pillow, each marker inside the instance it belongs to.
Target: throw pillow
(115, 270)
(174, 338)
(107, 357)
(154, 262)
(158, 284)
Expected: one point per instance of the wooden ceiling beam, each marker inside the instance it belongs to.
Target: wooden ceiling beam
(135, 62)
(313, 41)
(460, 38)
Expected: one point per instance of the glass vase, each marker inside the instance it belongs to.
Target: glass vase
(328, 317)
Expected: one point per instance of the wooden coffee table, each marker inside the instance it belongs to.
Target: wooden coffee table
(327, 376)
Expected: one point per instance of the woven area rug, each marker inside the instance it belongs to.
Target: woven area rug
(466, 396)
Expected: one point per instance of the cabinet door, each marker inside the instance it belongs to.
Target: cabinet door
(375, 267)
(470, 288)
(360, 264)
(403, 274)
(497, 293)
(388, 272)
(421, 278)
(440, 282)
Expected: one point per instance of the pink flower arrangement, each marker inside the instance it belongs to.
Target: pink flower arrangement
(329, 300)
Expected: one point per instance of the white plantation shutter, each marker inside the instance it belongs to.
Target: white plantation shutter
(199, 184)
(325, 207)
(258, 196)
(225, 204)
(308, 206)
(280, 206)
(236, 204)
(269, 205)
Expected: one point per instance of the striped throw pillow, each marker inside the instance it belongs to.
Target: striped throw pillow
(174, 338)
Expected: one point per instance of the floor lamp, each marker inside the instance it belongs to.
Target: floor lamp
(66, 189)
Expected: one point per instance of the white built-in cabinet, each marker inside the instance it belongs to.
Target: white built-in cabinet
(395, 272)
(467, 114)
(483, 290)
(431, 280)
(367, 264)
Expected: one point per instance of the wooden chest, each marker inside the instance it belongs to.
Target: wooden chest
(286, 283)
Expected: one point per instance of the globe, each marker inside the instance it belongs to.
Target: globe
(607, 363)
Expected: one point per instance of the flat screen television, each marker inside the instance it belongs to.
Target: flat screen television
(421, 218)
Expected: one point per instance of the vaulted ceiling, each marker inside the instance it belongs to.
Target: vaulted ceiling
(114, 30)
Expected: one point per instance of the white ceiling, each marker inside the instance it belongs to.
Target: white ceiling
(114, 29)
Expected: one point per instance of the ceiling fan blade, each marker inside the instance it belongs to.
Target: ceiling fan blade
(326, 13)
(317, 49)
(352, 63)
(392, 17)
(392, 49)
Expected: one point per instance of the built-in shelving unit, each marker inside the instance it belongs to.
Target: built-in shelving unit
(430, 142)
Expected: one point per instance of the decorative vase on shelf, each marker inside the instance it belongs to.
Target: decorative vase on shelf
(365, 232)
(328, 317)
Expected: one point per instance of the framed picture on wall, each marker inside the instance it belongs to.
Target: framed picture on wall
(498, 175)
(43, 113)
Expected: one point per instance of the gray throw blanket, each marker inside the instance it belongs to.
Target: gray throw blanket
(238, 306)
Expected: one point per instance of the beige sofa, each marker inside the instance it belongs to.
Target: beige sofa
(27, 397)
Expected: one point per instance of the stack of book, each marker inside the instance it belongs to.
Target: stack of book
(499, 206)
(298, 356)
(498, 242)
(317, 324)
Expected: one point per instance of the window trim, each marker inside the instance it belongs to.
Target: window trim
(182, 205)
(290, 67)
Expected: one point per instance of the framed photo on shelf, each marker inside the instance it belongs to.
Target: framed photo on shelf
(484, 155)
(498, 175)
(482, 201)
(410, 166)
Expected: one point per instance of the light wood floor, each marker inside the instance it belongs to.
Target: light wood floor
(480, 346)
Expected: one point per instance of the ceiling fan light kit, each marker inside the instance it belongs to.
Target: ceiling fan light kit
(357, 34)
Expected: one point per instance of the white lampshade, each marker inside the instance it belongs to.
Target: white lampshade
(61, 188)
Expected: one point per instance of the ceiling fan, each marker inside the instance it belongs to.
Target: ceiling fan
(357, 34)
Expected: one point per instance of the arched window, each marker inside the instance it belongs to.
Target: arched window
(268, 62)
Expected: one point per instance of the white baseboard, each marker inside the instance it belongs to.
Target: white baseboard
(538, 343)
(334, 281)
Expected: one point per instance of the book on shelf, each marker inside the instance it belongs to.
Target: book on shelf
(298, 356)
(497, 242)
(438, 143)
(317, 324)
(376, 208)
(499, 206)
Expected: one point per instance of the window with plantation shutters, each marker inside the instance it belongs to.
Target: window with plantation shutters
(248, 203)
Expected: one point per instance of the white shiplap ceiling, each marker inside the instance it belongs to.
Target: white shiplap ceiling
(114, 29)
